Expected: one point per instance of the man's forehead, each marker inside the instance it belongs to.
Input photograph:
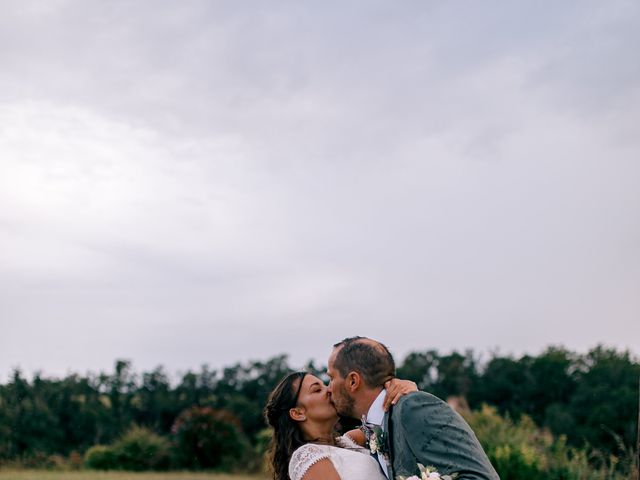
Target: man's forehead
(334, 353)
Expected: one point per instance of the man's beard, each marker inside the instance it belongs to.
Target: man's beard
(346, 407)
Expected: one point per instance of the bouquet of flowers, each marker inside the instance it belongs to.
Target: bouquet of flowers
(428, 473)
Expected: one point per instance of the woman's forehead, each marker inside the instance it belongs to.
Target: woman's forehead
(310, 380)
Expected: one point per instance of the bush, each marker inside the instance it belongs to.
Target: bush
(75, 461)
(258, 459)
(520, 450)
(206, 438)
(138, 449)
(38, 460)
(101, 457)
(520, 463)
(141, 449)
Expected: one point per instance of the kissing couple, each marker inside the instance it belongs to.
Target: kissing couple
(418, 437)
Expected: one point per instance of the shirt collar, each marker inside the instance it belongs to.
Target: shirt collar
(375, 415)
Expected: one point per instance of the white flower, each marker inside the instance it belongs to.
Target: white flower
(373, 444)
(428, 473)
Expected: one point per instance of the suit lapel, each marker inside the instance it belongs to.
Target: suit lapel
(388, 430)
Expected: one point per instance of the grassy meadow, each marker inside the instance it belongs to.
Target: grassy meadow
(93, 475)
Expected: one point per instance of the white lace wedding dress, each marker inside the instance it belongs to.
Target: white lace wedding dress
(350, 460)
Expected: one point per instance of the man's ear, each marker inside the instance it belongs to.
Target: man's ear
(353, 381)
(297, 414)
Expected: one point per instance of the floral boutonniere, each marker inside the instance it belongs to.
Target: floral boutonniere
(376, 439)
(428, 473)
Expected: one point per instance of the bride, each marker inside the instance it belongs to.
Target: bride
(305, 445)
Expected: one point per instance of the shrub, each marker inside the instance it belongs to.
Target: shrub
(256, 460)
(38, 460)
(520, 450)
(75, 460)
(206, 438)
(101, 457)
(519, 463)
(138, 449)
(141, 449)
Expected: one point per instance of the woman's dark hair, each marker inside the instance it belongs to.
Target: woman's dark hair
(287, 436)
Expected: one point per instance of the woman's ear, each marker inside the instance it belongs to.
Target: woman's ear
(297, 414)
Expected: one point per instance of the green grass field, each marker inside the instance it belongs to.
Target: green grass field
(90, 475)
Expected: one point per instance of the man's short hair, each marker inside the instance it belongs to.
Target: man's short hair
(371, 359)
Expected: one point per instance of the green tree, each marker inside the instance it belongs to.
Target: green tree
(422, 368)
(605, 401)
(208, 438)
(457, 375)
(504, 383)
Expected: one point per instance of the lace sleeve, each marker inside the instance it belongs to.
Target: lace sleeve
(304, 457)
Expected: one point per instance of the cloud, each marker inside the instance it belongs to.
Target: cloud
(196, 183)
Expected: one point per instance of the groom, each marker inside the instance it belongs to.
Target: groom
(420, 428)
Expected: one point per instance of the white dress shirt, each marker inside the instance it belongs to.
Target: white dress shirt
(375, 415)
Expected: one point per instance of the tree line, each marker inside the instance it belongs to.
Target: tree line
(590, 398)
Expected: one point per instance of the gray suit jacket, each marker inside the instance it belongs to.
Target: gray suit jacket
(421, 428)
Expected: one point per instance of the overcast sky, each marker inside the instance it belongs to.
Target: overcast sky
(210, 182)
